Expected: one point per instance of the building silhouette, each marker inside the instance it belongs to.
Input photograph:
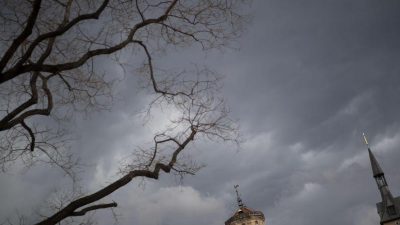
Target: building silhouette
(389, 207)
(245, 215)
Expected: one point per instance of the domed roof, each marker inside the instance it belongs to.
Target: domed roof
(245, 213)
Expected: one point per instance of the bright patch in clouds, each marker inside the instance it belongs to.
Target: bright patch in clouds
(176, 205)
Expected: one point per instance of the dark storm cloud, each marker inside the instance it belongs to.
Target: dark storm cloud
(312, 76)
(315, 59)
(316, 74)
(309, 78)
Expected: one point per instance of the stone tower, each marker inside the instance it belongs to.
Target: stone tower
(245, 215)
(389, 207)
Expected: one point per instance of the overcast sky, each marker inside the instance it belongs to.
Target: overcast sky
(309, 78)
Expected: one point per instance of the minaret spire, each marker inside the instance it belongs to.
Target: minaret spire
(376, 168)
(389, 208)
(239, 200)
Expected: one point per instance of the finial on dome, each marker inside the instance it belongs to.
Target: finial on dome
(239, 200)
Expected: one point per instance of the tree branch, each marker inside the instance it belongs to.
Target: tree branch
(67, 48)
(20, 68)
(93, 207)
(4, 123)
(45, 111)
(71, 207)
(31, 134)
(22, 37)
(61, 30)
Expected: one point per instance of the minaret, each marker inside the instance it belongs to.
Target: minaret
(389, 208)
(244, 215)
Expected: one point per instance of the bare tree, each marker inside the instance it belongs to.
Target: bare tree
(49, 66)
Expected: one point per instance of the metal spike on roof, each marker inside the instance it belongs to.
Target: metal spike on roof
(239, 200)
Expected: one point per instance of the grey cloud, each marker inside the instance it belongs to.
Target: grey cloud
(309, 78)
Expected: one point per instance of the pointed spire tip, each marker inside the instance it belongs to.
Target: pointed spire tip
(376, 168)
(365, 140)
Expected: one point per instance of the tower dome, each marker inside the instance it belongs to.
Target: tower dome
(245, 215)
